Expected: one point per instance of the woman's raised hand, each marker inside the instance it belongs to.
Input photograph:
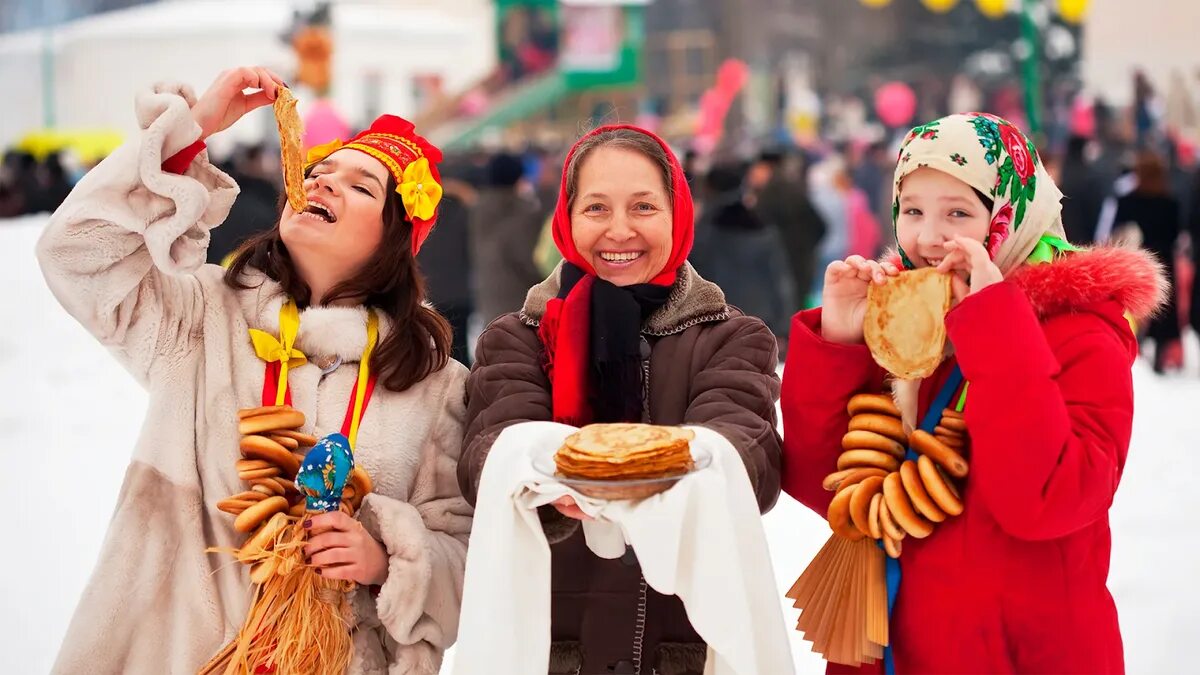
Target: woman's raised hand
(226, 100)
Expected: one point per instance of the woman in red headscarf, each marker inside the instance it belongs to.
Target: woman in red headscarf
(334, 293)
(623, 331)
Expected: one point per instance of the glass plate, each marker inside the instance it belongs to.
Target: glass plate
(638, 488)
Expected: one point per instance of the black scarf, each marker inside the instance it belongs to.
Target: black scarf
(615, 345)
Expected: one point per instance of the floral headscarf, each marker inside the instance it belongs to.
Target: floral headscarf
(994, 157)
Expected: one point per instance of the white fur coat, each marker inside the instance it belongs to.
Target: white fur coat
(124, 255)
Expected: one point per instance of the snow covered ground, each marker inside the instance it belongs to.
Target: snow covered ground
(69, 416)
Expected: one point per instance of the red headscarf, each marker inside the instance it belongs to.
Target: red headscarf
(566, 326)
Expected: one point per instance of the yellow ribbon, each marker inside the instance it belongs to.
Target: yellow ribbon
(419, 191)
(282, 350)
(364, 375)
(1133, 324)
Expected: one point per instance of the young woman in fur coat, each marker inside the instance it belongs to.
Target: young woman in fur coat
(124, 255)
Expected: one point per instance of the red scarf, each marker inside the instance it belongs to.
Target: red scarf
(566, 326)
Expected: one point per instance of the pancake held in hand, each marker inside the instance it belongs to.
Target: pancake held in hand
(291, 155)
(625, 452)
(905, 322)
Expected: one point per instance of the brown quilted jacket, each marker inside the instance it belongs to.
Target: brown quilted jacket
(708, 365)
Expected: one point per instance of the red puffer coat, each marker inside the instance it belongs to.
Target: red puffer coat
(1018, 582)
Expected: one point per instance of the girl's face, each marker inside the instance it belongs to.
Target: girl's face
(621, 219)
(935, 207)
(344, 222)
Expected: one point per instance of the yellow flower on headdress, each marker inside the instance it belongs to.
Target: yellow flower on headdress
(319, 152)
(419, 191)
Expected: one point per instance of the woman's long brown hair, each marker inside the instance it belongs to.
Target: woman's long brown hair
(390, 281)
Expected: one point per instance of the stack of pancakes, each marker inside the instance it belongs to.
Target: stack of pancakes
(620, 452)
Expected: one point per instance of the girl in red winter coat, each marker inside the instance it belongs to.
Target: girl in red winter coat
(1040, 331)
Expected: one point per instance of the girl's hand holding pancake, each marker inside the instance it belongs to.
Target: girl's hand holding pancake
(972, 267)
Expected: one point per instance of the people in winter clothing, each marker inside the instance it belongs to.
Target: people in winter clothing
(1157, 214)
(504, 232)
(782, 201)
(1085, 189)
(864, 229)
(124, 255)
(624, 330)
(1039, 329)
(255, 210)
(830, 203)
(738, 251)
(445, 260)
(1194, 230)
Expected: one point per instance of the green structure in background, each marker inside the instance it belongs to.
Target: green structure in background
(587, 53)
(1031, 68)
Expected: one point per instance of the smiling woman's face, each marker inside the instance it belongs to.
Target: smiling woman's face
(343, 225)
(621, 216)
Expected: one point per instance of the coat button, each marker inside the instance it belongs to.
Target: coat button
(623, 666)
(645, 348)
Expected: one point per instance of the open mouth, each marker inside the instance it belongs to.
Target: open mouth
(623, 258)
(319, 211)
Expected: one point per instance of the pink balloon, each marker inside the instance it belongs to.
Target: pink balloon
(323, 123)
(896, 104)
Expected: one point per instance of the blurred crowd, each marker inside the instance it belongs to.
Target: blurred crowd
(770, 216)
(28, 185)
